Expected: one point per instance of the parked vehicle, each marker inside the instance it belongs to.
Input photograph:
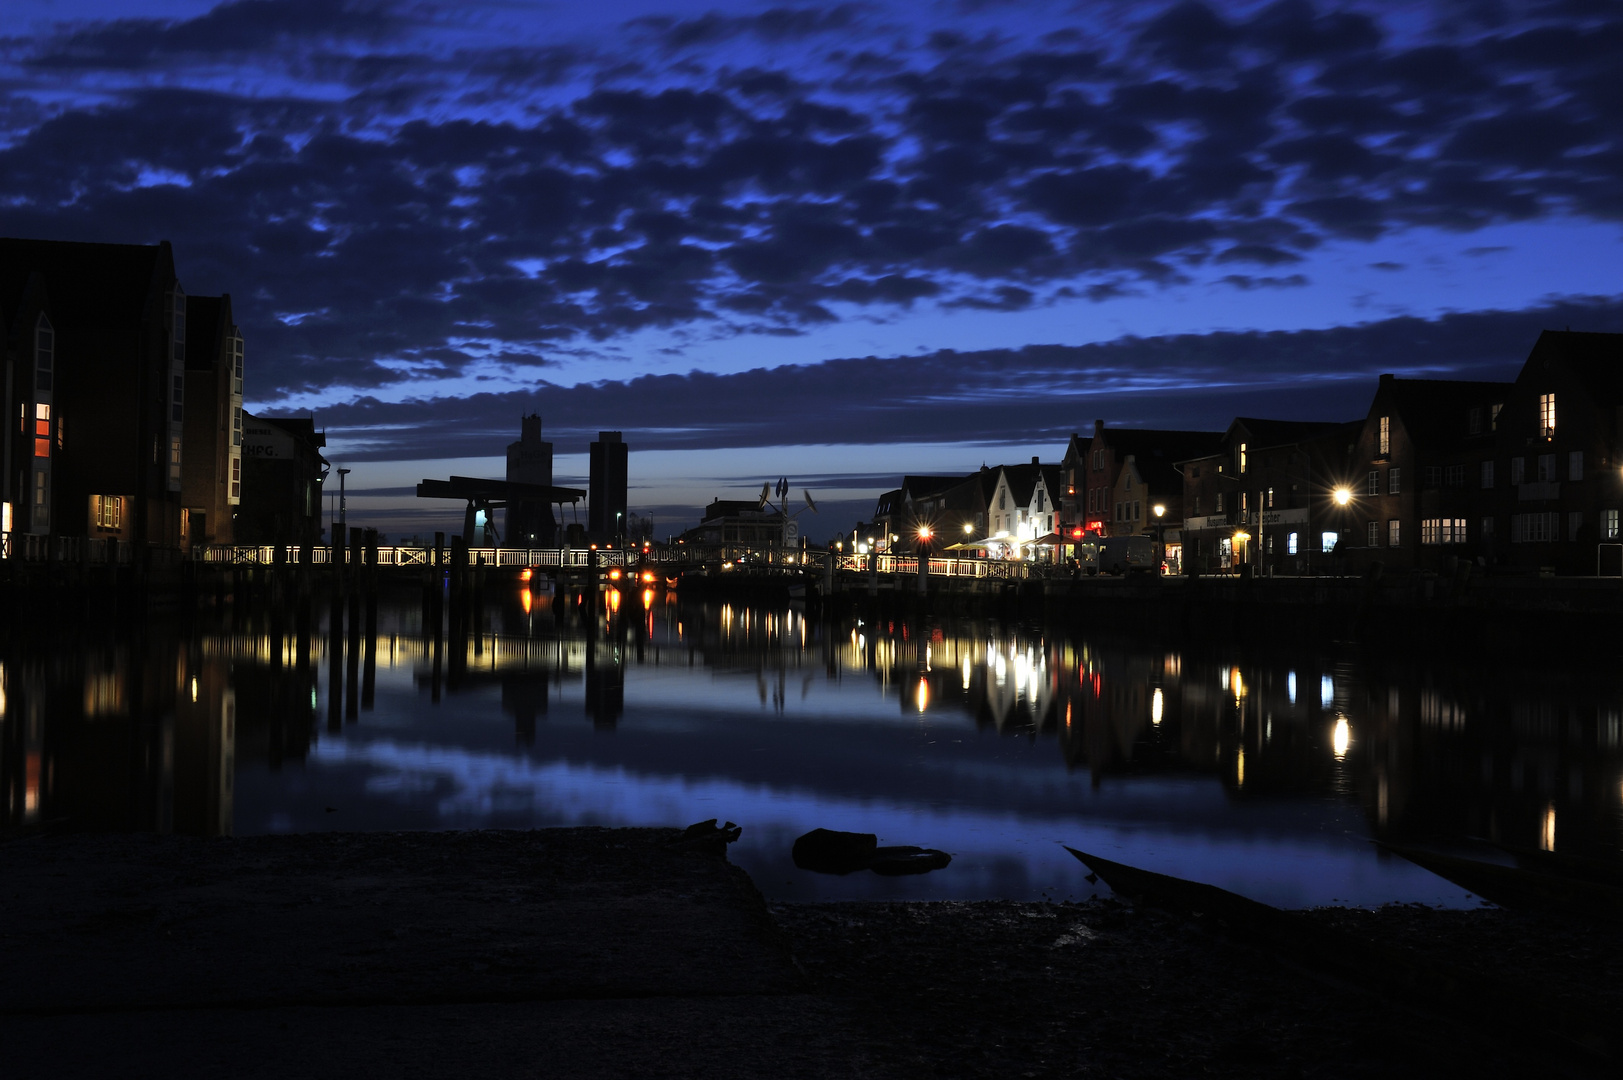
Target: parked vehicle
(1129, 555)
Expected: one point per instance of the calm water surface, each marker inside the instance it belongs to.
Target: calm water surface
(1267, 774)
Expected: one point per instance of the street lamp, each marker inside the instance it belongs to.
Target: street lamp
(1160, 512)
(1342, 496)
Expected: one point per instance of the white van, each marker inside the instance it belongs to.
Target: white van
(1129, 555)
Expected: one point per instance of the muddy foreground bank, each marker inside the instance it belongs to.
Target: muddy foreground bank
(591, 952)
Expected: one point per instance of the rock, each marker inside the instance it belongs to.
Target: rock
(905, 859)
(705, 836)
(828, 851)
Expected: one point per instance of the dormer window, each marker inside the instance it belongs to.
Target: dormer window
(1473, 420)
(1546, 415)
(44, 355)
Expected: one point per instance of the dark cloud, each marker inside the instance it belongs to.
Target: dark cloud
(1190, 380)
(503, 199)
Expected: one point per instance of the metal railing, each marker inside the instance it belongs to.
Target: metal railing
(86, 550)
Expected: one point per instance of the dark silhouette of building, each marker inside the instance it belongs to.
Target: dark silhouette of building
(606, 488)
(529, 461)
(282, 475)
(211, 468)
(102, 395)
(27, 344)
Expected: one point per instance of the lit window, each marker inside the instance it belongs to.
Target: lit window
(1240, 457)
(236, 478)
(1386, 435)
(174, 450)
(1394, 536)
(1609, 523)
(1270, 499)
(1546, 415)
(108, 511)
(1327, 541)
(1290, 543)
(42, 431)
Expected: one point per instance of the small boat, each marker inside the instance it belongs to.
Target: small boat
(1518, 887)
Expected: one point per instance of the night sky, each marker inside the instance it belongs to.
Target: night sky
(836, 242)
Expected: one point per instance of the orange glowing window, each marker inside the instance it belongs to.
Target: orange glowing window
(42, 447)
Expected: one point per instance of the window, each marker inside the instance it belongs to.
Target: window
(1518, 470)
(1219, 502)
(1546, 467)
(1290, 543)
(108, 510)
(1534, 528)
(1394, 481)
(1442, 531)
(1003, 500)
(1268, 544)
(1375, 534)
(1473, 420)
(1394, 536)
(236, 372)
(1245, 502)
(1575, 465)
(174, 451)
(1040, 494)
(1487, 474)
(1431, 476)
(1386, 435)
(1608, 519)
(1098, 459)
(44, 354)
(1270, 503)
(236, 426)
(1575, 521)
(42, 431)
(1137, 510)
(178, 327)
(1487, 530)
(177, 399)
(42, 498)
(1454, 476)
(1493, 416)
(1374, 487)
(1197, 505)
(1239, 457)
(1327, 541)
(1546, 415)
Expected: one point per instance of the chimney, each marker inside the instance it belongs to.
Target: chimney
(1034, 459)
(1098, 429)
(1387, 377)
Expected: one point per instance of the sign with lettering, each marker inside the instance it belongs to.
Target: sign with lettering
(1281, 517)
(265, 441)
(791, 533)
(1211, 521)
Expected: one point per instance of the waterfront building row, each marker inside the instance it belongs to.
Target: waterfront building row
(1526, 473)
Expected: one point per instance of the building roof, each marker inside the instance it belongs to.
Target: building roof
(720, 508)
(1268, 433)
(1595, 360)
(300, 427)
(92, 284)
(1435, 411)
(1160, 443)
(1022, 480)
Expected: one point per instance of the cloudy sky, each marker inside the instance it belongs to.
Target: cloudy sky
(832, 241)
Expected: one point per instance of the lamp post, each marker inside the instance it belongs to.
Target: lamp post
(1160, 512)
(343, 515)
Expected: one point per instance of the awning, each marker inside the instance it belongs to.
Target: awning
(968, 545)
(1052, 539)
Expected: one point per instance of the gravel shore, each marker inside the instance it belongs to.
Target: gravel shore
(598, 953)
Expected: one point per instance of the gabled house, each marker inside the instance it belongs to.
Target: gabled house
(1105, 456)
(1556, 472)
(1422, 463)
(1021, 507)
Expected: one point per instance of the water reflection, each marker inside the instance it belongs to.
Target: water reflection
(994, 743)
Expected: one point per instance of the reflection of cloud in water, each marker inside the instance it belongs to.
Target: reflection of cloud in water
(994, 854)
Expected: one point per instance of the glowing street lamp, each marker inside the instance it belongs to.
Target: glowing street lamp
(1342, 496)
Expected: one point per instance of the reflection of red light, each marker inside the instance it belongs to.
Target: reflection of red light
(1095, 684)
(1077, 533)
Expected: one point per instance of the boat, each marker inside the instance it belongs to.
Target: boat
(1518, 887)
